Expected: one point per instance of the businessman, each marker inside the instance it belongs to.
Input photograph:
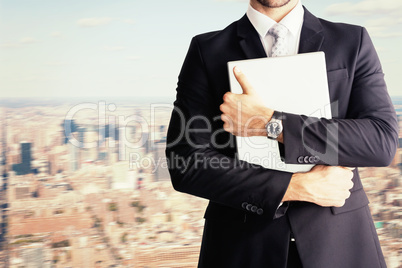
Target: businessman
(259, 217)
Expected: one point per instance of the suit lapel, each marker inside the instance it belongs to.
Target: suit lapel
(312, 36)
(249, 39)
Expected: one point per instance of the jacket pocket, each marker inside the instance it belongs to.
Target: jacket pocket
(357, 199)
(337, 74)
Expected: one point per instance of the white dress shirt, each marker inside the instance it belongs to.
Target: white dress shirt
(292, 21)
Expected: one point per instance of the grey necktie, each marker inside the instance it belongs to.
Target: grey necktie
(279, 47)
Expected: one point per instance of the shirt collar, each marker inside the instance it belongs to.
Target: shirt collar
(262, 23)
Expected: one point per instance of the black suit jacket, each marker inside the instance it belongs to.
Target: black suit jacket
(240, 228)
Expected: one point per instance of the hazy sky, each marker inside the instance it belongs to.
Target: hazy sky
(103, 48)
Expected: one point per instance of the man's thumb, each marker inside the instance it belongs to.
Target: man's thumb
(244, 83)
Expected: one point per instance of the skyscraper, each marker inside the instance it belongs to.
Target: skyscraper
(73, 152)
(69, 127)
(26, 157)
(24, 167)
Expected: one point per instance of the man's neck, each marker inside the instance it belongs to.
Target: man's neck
(277, 13)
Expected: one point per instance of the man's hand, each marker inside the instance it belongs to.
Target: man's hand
(244, 114)
(325, 186)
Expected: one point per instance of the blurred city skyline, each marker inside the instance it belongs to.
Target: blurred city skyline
(135, 49)
(109, 202)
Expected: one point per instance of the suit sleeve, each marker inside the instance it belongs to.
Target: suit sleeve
(368, 136)
(195, 165)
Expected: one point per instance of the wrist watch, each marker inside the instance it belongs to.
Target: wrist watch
(274, 126)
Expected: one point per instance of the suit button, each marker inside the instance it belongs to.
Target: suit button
(254, 209)
(300, 159)
(244, 205)
(312, 160)
(249, 206)
(260, 211)
(306, 159)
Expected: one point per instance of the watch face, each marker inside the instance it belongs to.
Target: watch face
(274, 129)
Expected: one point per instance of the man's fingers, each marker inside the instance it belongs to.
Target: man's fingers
(227, 127)
(242, 79)
(226, 118)
(350, 168)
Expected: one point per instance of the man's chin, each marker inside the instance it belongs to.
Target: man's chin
(273, 3)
